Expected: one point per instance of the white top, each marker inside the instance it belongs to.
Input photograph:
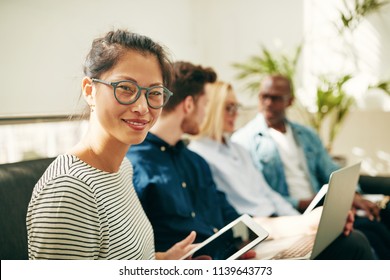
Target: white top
(235, 174)
(294, 164)
(79, 212)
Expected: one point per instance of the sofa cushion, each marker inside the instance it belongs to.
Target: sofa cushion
(17, 181)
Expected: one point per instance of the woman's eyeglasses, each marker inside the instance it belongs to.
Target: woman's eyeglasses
(128, 92)
(232, 108)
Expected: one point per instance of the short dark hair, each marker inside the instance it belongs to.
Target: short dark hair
(188, 80)
(278, 78)
(107, 50)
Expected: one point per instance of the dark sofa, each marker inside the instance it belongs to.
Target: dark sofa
(375, 185)
(17, 181)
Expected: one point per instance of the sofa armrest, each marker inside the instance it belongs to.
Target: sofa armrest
(17, 181)
(375, 184)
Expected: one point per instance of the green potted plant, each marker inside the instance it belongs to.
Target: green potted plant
(332, 104)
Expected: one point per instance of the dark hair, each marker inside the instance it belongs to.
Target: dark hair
(107, 50)
(188, 80)
(277, 79)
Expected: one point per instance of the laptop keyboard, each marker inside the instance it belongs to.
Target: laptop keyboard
(298, 250)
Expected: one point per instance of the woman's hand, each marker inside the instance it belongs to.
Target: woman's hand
(179, 249)
(251, 254)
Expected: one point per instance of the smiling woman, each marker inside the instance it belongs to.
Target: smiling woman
(73, 193)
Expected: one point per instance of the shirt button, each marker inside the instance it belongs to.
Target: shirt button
(193, 214)
(184, 185)
(215, 230)
(162, 148)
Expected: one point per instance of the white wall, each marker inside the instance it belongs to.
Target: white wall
(365, 137)
(364, 53)
(44, 42)
(232, 30)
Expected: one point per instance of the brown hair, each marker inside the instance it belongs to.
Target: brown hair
(188, 80)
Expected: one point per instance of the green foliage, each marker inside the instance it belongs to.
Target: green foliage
(332, 102)
(266, 63)
(383, 85)
(354, 13)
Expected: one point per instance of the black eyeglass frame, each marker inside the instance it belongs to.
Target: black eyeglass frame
(138, 95)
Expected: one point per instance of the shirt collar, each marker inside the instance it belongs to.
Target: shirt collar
(261, 125)
(164, 146)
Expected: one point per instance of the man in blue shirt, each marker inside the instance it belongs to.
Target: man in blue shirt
(293, 159)
(175, 185)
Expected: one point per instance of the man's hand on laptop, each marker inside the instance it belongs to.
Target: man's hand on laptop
(371, 210)
(304, 203)
(349, 223)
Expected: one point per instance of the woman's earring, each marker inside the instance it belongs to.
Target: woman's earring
(92, 107)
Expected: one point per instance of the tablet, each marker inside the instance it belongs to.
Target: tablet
(231, 241)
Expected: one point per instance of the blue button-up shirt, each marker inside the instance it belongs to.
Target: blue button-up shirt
(177, 192)
(254, 136)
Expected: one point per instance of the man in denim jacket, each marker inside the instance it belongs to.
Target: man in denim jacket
(256, 137)
(292, 157)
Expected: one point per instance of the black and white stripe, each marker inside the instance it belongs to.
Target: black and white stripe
(79, 212)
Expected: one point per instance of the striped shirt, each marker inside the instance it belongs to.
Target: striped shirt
(79, 212)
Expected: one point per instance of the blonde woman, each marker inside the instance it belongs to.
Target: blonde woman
(231, 165)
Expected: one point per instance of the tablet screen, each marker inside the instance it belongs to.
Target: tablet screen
(228, 242)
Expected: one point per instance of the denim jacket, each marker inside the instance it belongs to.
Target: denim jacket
(255, 137)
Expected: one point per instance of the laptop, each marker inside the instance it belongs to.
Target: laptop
(340, 192)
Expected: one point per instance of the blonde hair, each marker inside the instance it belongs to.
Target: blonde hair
(212, 125)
